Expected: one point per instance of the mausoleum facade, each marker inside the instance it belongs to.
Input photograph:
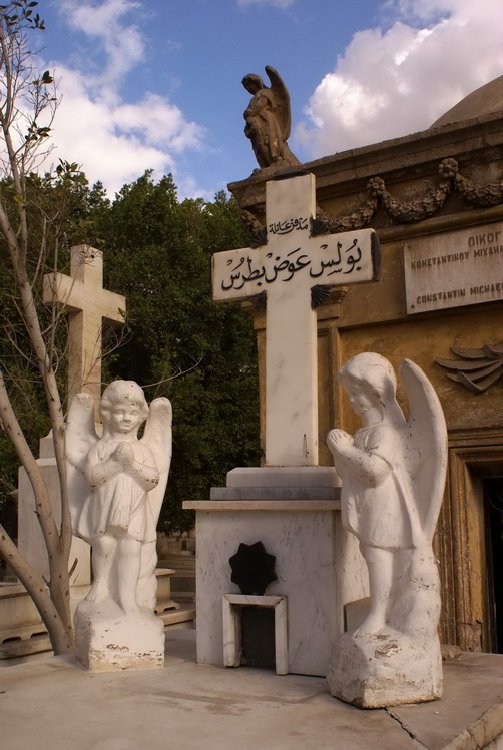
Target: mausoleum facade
(435, 199)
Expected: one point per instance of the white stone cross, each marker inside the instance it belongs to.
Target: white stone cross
(287, 268)
(83, 294)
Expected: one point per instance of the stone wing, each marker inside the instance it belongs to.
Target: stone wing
(425, 445)
(282, 101)
(157, 437)
(80, 436)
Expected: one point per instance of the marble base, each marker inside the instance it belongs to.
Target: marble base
(319, 569)
(108, 640)
(375, 671)
(295, 512)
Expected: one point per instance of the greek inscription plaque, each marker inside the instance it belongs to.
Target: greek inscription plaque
(451, 269)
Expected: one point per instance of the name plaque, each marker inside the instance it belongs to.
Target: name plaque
(452, 269)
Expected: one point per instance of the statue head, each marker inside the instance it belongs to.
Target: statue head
(373, 373)
(252, 83)
(123, 392)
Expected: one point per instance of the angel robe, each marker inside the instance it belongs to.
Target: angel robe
(384, 515)
(121, 502)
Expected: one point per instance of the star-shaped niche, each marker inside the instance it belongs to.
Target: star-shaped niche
(253, 569)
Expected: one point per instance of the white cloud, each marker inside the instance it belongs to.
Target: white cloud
(395, 82)
(115, 140)
(123, 44)
(159, 121)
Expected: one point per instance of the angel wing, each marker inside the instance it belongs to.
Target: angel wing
(157, 437)
(425, 445)
(80, 435)
(282, 99)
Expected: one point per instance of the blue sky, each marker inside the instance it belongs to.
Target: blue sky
(156, 83)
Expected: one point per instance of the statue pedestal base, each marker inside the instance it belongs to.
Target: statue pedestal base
(107, 639)
(386, 669)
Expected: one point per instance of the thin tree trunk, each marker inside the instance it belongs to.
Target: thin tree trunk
(57, 545)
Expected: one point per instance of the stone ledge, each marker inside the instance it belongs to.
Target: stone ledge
(292, 506)
(482, 733)
(276, 494)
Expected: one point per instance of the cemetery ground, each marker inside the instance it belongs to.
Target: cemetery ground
(48, 703)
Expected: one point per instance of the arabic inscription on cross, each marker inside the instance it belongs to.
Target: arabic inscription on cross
(287, 268)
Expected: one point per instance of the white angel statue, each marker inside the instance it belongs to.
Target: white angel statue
(116, 485)
(393, 476)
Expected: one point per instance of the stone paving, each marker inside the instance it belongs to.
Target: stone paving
(50, 704)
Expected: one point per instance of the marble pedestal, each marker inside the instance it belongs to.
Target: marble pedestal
(107, 639)
(295, 513)
(388, 669)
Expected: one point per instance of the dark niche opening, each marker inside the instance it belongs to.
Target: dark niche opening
(258, 639)
(493, 492)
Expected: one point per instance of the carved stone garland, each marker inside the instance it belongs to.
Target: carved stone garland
(398, 211)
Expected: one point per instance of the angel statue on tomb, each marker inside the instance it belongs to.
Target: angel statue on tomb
(268, 119)
(393, 476)
(116, 486)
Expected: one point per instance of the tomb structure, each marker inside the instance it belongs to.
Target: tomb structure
(436, 200)
(291, 503)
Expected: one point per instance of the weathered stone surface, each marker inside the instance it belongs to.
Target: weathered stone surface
(393, 475)
(373, 671)
(458, 268)
(83, 295)
(107, 639)
(268, 119)
(116, 486)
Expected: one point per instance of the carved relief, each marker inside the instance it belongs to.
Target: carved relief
(256, 230)
(421, 208)
(396, 210)
(476, 369)
(479, 196)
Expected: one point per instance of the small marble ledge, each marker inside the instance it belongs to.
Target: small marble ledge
(292, 506)
(253, 600)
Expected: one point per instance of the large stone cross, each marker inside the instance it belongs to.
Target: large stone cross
(287, 268)
(83, 294)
